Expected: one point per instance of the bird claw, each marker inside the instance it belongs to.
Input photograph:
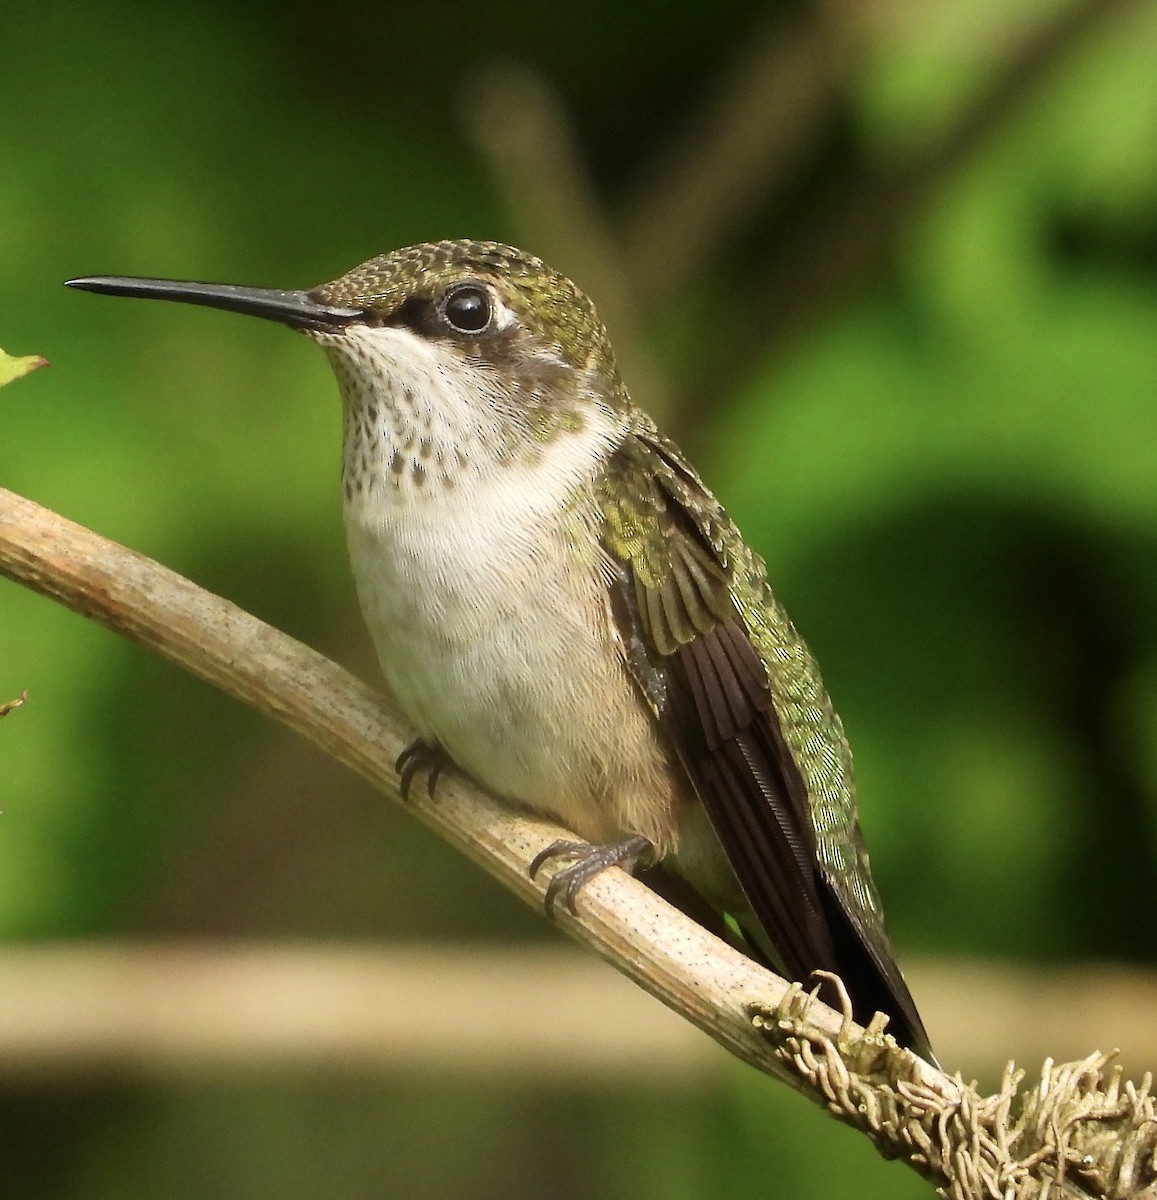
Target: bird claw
(586, 861)
(418, 756)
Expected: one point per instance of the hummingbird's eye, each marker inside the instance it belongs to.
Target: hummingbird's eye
(467, 308)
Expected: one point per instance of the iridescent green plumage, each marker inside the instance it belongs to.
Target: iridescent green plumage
(695, 603)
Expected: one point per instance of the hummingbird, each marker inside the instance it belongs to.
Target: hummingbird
(568, 615)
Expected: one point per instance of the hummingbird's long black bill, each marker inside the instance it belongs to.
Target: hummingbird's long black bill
(299, 310)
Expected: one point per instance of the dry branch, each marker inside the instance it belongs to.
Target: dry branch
(627, 924)
(1076, 1133)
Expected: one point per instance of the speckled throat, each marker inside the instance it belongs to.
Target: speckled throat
(420, 417)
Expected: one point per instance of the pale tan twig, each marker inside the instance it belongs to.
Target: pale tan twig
(1076, 1134)
(627, 924)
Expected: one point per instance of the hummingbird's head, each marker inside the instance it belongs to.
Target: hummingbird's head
(485, 302)
(470, 349)
(452, 357)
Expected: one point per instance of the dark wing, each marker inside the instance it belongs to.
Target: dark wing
(739, 698)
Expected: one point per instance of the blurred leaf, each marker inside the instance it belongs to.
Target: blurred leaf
(12, 368)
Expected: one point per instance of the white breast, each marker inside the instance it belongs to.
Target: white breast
(481, 584)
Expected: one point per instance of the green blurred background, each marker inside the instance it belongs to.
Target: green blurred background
(887, 269)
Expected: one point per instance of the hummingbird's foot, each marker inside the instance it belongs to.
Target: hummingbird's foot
(587, 862)
(420, 755)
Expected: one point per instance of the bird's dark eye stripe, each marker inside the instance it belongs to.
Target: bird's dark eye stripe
(419, 313)
(465, 309)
